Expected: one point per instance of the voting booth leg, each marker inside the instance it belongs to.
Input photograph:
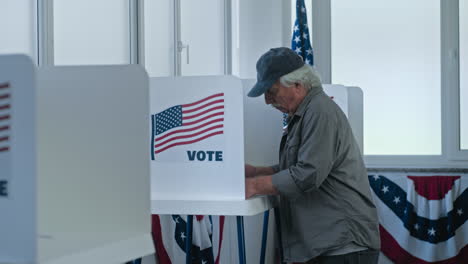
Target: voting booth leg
(266, 217)
(241, 239)
(278, 230)
(188, 242)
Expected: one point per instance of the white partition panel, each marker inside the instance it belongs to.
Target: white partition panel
(93, 164)
(74, 166)
(18, 194)
(263, 128)
(350, 100)
(197, 140)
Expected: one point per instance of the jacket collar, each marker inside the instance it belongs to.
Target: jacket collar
(305, 102)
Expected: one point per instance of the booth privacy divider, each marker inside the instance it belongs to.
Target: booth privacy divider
(75, 163)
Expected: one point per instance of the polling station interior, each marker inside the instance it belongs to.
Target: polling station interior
(89, 175)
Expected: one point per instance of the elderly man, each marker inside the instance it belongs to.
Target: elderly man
(326, 210)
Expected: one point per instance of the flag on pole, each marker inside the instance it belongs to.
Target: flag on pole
(300, 42)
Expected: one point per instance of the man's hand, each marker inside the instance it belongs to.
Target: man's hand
(250, 171)
(259, 185)
(250, 187)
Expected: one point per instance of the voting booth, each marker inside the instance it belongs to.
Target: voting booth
(74, 165)
(203, 131)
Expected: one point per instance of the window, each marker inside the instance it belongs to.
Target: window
(159, 38)
(391, 49)
(185, 37)
(463, 11)
(91, 32)
(17, 30)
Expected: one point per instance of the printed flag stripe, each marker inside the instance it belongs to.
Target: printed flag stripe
(189, 129)
(203, 106)
(4, 85)
(203, 100)
(189, 142)
(4, 96)
(187, 123)
(204, 118)
(188, 136)
(204, 112)
(4, 138)
(4, 117)
(3, 128)
(4, 149)
(391, 248)
(3, 107)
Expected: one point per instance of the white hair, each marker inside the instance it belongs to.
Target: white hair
(306, 75)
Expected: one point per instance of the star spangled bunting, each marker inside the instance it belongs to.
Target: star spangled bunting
(422, 218)
(421, 227)
(5, 117)
(188, 123)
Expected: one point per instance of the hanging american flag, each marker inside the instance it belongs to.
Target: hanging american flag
(300, 42)
(187, 123)
(422, 218)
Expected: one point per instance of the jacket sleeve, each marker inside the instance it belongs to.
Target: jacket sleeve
(315, 156)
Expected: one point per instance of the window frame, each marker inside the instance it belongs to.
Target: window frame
(452, 155)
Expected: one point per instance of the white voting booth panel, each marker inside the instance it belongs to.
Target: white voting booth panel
(80, 187)
(197, 131)
(350, 100)
(197, 149)
(18, 192)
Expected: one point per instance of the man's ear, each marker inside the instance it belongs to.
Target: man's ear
(299, 88)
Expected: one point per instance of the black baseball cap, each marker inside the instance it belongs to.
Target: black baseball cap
(272, 65)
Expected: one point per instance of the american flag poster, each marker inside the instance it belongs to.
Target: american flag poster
(422, 218)
(186, 124)
(5, 133)
(196, 144)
